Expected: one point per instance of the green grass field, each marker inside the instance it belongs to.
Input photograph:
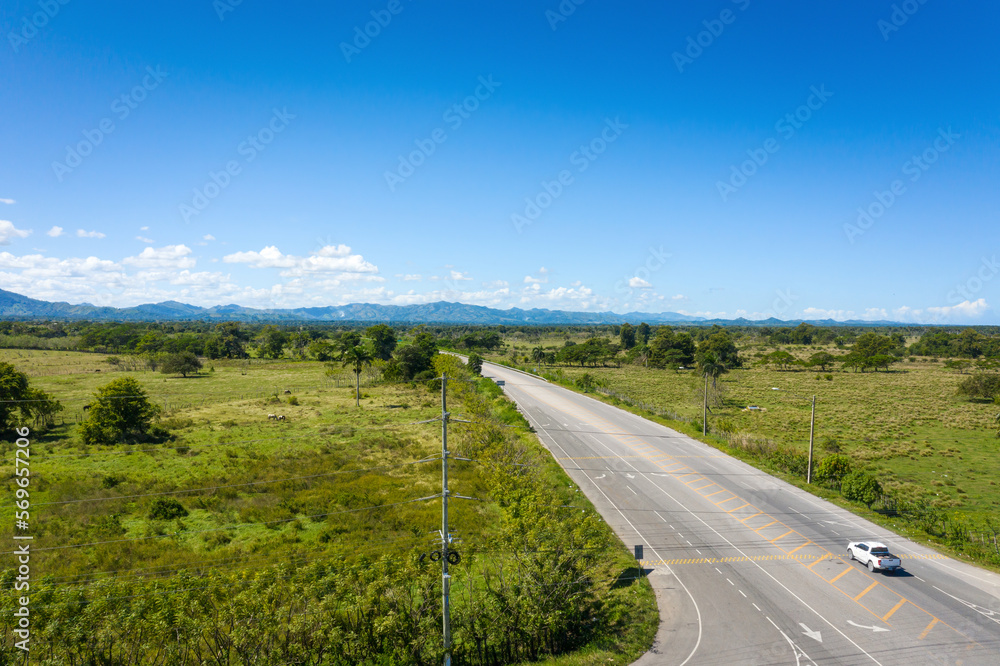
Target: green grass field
(323, 486)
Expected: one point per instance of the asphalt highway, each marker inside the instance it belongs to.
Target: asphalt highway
(748, 569)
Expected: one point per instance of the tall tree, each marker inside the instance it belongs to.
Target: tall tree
(119, 413)
(642, 333)
(358, 358)
(383, 340)
(627, 336)
(180, 364)
(18, 397)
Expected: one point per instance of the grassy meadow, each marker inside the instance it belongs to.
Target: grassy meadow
(329, 487)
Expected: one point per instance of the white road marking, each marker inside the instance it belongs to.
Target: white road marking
(815, 635)
(757, 607)
(873, 629)
(743, 593)
(717, 569)
(731, 583)
(699, 552)
(633, 491)
(796, 650)
(920, 579)
(986, 612)
(601, 476)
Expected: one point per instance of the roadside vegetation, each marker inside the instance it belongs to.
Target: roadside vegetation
(175, 521)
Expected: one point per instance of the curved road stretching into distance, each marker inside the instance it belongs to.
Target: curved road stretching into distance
(748, 569)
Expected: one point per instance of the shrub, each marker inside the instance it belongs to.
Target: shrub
(166, 509)
(833, 468)
(292, 400)
(861, 487)
(475, 364)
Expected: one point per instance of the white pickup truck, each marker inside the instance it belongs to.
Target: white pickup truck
(874, 555)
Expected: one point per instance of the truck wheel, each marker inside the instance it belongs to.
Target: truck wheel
(871, 566)
(850, 554)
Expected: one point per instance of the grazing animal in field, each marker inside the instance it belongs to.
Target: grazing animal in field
(287, 392)
(281, 417)
(86, 407)
(272, 416)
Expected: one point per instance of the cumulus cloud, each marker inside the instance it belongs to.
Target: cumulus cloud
(208, 237)
(678, 297)
(410, 277)
(54, 232)
(7, 201)
(169, 256)
(8, 231)
(89, 234)
(639, 283)
(144, 239)
(965, 309)
(456, 275)
(329, 259)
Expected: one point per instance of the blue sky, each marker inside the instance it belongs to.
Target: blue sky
(726, 158)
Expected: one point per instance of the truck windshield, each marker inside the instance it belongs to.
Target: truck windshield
(880, 550)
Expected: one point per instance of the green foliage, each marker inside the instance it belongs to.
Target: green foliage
(166, 509)
(293, 400)
(17, 397)
(722, 347)
(475, 364)
(821, 360)
(272, 341)
(981, 385)
(119, 413)
(181, 363)
(861, 487)
(383, 341)
(782, 359)
(671, 350)
(833, 468)
(627, 336)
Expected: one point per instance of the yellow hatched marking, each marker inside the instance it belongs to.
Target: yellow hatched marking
(840, 575)
(800, 547)
(753, 516)
(688, 483)
(764, 526)
(708, 485)
(782, 536)
(680, 476)
(866, 590)
(822, 559)
(928, 629)
(719, 492)
(885, 618)
(730, 500)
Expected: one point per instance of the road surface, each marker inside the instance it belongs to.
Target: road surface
(748, 569)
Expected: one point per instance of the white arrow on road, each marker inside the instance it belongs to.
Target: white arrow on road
(629, 475)
(811, 634)
(655, 474)
(873, 629)
(600, 477)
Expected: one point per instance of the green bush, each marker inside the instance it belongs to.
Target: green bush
(833, 468)
(166, 509)
(861, 487)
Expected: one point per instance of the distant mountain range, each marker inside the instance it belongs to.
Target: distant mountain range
(16, 306)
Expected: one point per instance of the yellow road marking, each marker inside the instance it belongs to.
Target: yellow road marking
(782, 536)
(843, 573)
(800, 547)
(867, 590)
(753, 516)
(928, 629)
(709, 485)
(730, 500)
(885, 618)
(718, 492)
(768, 525)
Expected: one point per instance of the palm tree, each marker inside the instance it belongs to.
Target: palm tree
(537, 354)
(358, 357)
(711, 366)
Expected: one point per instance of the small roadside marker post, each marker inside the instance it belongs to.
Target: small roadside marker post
(638, 558)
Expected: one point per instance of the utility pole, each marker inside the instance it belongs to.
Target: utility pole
(812, 428)
(445, 538)
(704, 413)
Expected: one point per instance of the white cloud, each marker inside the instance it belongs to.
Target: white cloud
(965, 309)
(89, 234)
(208, 237)
(678, 297)
(456, 275)
(329, 259)
(144, 239)
(143, 228)
(9, 231)
(7, 201)
(169, 256)
(543, 278)
(414, 277)
(55, 232)
(496, 284)
(639, 283)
